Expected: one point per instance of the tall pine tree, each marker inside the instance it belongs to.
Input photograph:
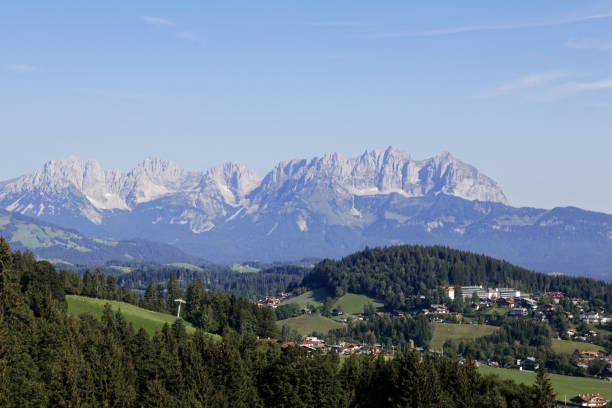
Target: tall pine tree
(544, 394)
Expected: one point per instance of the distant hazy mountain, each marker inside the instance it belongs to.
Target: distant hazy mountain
(65, 246)
(327, 206)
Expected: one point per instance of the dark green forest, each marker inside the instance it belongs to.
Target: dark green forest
(399, 275)
(50, 359)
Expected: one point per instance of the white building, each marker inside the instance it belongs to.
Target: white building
(450, 292)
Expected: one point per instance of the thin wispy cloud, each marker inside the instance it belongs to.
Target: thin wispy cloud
(490, 27)
(21, 68)
(588, 44)
(588, 86)
(158, 21)
(531, 81)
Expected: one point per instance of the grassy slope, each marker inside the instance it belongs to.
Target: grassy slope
(353, 304)
(140, 318)
(563, 385)
(316, 298)
(567, 346)
(244, 269)
(458, 333)
(306, 324)
(188, 266)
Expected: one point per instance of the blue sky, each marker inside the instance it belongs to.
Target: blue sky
(521, 90)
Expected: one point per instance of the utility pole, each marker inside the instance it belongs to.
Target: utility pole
(179, 301)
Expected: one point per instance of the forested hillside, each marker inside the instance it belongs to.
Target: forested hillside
(50, 359)
(400, 274)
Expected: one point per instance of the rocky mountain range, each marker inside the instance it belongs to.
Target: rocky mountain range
(327, 206)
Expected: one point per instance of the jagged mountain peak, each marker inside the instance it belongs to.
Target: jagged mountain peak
(234, 177)
(328, 184)
(383, 172)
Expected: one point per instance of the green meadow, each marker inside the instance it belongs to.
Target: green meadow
(140, 318)
(564, 386)
(313, 297)
(353, 304)
(306, 324)
(458, 333)
(568, 347)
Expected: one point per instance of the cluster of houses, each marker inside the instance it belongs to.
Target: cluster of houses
(272, 301)
(521, 305)
(312, 343)
(588, 356)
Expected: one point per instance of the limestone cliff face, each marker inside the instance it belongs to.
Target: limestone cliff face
(79, 188)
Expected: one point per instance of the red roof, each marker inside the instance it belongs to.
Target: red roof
(291, 343)
(594, 400)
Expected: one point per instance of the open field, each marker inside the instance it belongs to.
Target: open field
(140, 318)
(353, 304)
(306, 324)
(457, 333)
(568, 347)
(495, 310)
(314, 297)
(121, 269)
(244, 269)
(563, 385)
(187, 266)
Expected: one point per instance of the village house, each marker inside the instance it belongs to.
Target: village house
(528, 303)
(504, 302)
(314, 344)
(591, 400)
(518, 311)
(438, 309)
(590, 317)
(590, 355)
(269, 301)
(530, 363)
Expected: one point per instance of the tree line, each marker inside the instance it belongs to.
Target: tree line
(48, 358)
(401, 275)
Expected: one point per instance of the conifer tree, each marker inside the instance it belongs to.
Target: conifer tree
(174, 292)
(544, 394)
(152, 300)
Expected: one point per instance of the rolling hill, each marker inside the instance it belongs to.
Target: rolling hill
(140, 318)
(65, 246)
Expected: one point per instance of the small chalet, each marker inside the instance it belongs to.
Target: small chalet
(505, 302)
(438, 309)
(518, 311)
(590, 318)
(530, 363)
(591, 400)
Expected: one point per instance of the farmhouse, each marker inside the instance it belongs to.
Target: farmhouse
(591, 400)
